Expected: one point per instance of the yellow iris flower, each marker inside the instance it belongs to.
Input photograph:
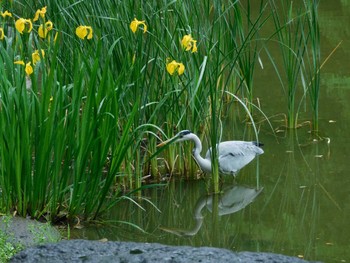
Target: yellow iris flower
(136, 23)
(2, 34)
(19, 62)
(189, 43)
(22, 24)
(83, 31)
(6, 14)
(174, 66)
(40, 12)
(28, 67)
(44, 29)
(36, 56)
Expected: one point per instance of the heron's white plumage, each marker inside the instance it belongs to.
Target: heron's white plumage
(234, 155)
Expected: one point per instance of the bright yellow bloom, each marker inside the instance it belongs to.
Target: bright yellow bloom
(136, 23)
(5, 14)
(44, 29)
(174, 66)
(22, 24)
(40, 12)
(83, 31)
(29, 69)
(2, 34)
(19, 62)
(189, 43)
(36, 56)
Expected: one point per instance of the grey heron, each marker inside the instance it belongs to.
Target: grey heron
(232, 155)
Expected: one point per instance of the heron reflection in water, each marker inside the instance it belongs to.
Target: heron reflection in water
(233, 199)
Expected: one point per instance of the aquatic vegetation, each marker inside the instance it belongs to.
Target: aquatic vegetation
(312, 63)
(27, 66)
(24, 25)
(84, 32)
(80, 116)
(136, 23)
(6, 14)
(44, 29)
(189, 44)
(174, 66)
(36, 56)
(40, 13)
(295, 31)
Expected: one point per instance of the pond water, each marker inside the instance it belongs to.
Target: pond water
(304, 207)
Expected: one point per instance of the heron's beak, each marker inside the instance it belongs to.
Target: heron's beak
(164, 143)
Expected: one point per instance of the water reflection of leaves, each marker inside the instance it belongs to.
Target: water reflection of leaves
(233, 199)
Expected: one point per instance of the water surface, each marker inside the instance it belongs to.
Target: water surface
(304, 207)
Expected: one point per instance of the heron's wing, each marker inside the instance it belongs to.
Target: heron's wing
(234, 155)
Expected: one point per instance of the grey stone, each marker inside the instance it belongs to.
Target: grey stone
(131, 252)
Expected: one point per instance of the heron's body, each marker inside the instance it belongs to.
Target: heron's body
(232, 155)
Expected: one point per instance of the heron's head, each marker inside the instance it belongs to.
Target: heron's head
(181, 136)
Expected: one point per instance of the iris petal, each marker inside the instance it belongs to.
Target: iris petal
(29, 69)
(136, 23)
(90, 32)
(20, 25)
(174, 66)
(181, 69)
(81, 32)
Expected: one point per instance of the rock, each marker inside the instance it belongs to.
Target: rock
(131, 252)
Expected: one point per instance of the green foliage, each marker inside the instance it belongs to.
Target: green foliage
(85, 124)
(7, 249)
(298, 37)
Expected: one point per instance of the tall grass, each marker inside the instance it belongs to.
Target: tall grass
(84, 126)
(289, 28)
(313, 61)
(298, 36)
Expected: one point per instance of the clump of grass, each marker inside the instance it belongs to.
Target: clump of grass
(297, 33)
(64, 139)
(289, 33)
(312, 62)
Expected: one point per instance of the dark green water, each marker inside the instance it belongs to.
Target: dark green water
(304, 208)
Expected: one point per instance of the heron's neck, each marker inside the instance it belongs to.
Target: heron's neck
(203, 163)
